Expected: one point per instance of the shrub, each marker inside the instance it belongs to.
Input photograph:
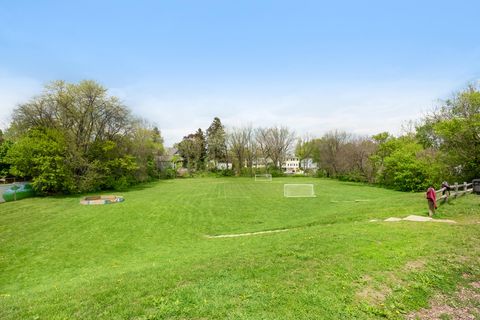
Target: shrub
(276, 172)
(168, 173)
(40, 154)
(226, 173)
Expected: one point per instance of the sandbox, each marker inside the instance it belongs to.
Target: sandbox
(101, 200)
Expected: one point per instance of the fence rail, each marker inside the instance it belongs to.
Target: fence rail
(454, 191)
(11, 180)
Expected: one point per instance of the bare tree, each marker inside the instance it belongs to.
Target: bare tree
(329, 147)
(275, 143)
(251, 148)
(353, 158)
(237, 141)
(263, 145)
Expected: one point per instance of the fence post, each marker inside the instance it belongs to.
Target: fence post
(456, 189)
(464, 188)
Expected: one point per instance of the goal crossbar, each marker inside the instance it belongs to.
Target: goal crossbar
(298, 191)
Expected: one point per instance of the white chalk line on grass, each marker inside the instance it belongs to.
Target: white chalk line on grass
(246, 234)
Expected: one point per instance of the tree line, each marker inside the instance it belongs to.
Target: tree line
(78, 138)
(444, 145)
(239, 150)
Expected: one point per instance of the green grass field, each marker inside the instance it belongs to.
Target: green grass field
(149, 257)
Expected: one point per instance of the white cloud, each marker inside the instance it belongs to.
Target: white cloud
(361, 109)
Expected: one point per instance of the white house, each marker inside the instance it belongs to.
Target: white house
(291, 165)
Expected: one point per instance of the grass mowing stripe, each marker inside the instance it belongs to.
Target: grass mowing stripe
(147, 257)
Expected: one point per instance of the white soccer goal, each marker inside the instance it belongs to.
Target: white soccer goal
(263, 177)
(298, 190)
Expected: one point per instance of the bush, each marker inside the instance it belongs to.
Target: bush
(276, 172)
(40, 154)
(168, 173)
(226, 173)
(121, 184)
(353, 176)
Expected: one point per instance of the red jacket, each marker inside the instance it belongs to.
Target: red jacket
(432, 196)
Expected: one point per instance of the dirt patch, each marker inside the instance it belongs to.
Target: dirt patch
(372, 291)
(438, 310)
(373, 295)
(415, 265)
(464, 305)
(476, 285)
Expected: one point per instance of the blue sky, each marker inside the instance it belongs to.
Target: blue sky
(360, 66)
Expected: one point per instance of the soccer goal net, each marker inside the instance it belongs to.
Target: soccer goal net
(263, 177)
(298, 190)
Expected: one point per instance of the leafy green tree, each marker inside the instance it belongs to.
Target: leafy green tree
(385, 145)
(146, 145)
(109, 167)
(304, 150)
(458, 128)
(193, 150)
(5, 145)
(40, 154)
(186, 151)
(406, 165)
(104, 146)
(200, 149)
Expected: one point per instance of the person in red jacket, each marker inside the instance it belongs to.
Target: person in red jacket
(432, 201)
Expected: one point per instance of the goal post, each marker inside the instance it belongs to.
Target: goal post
(263, 177)
(298, 191)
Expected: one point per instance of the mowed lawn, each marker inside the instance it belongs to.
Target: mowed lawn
(150, 258)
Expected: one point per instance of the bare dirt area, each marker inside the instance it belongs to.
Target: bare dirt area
(463, 305)
(375, 293)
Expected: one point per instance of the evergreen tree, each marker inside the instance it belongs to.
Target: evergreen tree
(216, 142)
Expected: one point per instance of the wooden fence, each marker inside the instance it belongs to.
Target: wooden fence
(11, 180)
(455, 191)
